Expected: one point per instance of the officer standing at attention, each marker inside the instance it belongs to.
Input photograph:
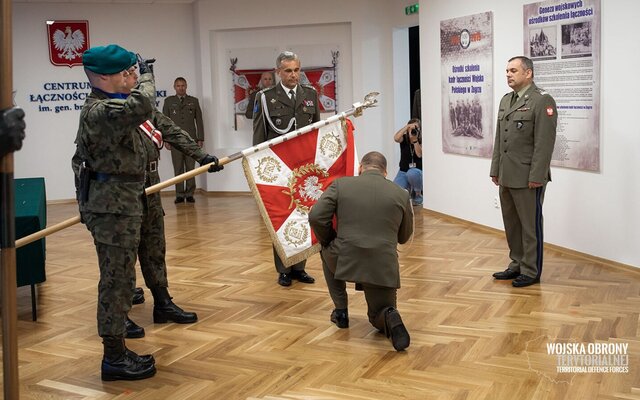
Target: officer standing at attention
(525, 136)
(185, 111)
(283, 108)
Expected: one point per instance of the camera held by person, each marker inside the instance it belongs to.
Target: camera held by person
(409, 177)
(414, 135)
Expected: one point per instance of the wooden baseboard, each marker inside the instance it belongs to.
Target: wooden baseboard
(564, 250)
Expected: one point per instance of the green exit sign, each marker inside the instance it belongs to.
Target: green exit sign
(412, 9)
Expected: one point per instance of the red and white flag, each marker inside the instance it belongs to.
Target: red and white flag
(288, 178)
(245, 82)
(324, 81)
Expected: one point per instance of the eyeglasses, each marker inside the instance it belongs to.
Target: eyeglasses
(129, 71)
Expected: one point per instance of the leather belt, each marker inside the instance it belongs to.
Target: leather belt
(102, 177)
(152, 166)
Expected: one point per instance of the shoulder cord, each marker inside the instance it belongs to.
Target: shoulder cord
(265, 116)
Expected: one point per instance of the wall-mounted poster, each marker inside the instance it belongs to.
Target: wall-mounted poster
(563, 40)
(466, 55)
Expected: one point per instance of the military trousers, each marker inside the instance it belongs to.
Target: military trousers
(153, 247)
(116, 238)
(522, 216)
(379, 298)
(181, 164)
(282, 269)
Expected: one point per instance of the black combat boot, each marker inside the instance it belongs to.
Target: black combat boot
(134, 331)
(138, 296)
(165, 310)
(120, 363)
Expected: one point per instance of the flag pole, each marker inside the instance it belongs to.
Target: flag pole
(356, 110)
(7, 222)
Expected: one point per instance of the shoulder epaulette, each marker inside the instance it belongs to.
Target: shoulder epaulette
(308, 86)
(541, 91)
(267, 89)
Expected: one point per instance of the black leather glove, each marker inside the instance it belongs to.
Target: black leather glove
(145, 66)
(208, 159)
(12, 127)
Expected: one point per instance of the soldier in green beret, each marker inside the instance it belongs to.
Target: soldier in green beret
(283, 108)
(111, 164)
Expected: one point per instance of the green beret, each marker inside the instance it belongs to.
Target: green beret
(108, 60)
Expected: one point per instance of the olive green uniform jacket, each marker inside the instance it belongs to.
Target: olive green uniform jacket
(373, 215)
(525, 136)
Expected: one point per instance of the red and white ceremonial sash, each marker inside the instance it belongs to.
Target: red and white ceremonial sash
(154, 134)
(288, 178)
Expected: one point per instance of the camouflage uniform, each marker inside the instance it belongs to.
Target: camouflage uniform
(151, 251)
(112, 147)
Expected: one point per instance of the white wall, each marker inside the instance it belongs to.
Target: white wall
(361, 29)
(594, 213)
(258, 48)
(161, 31)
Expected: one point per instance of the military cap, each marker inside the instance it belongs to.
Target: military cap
(107, 60)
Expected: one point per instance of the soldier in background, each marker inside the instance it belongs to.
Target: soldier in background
(283, 108)
(185, 111)
(267, 80)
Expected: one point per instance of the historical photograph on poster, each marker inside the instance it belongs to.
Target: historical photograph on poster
(576, 40)
(466, 56)
(543, 43)
(571, 74)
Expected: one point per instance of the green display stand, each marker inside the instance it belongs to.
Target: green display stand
(31, 216)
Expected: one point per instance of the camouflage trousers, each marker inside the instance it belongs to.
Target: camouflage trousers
(152, 248)
(116, 238)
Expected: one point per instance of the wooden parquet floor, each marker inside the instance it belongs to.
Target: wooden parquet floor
(471, 337)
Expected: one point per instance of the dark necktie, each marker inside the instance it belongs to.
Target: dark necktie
(293, 95)
(514, 98)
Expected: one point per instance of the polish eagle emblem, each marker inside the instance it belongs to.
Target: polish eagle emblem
(68, 43)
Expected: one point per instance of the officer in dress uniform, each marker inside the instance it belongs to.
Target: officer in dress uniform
(525, 136)
(185, 111)
(278, 110)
